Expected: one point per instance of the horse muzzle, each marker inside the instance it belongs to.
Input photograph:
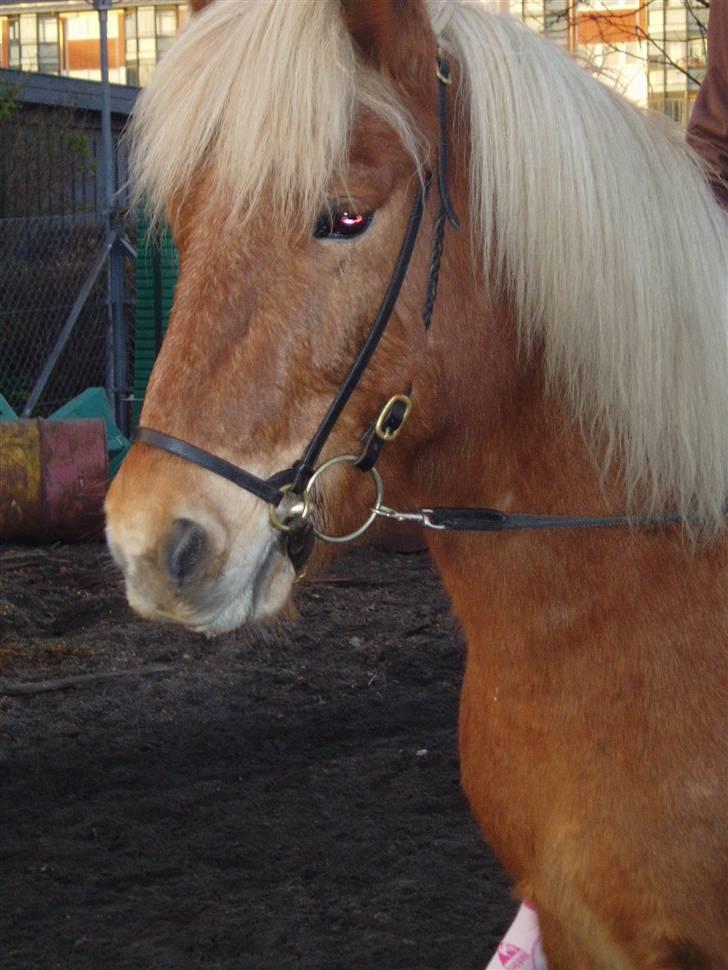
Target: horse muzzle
(209, 563)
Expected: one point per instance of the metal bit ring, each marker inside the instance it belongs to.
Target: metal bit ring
(379, 490)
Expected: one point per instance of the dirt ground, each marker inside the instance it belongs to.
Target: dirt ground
(287, 798)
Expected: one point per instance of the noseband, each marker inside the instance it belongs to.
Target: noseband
(294, 522)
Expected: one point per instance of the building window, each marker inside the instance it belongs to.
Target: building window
(82, 50)
(14, 43)
(33, 43)
(677, 107)
(132, 65)
(28, 43)
(166, 23)
(49, 61)
(23, 43)
(149, 34)
(676, 56)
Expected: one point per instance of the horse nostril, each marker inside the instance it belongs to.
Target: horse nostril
(185, 550)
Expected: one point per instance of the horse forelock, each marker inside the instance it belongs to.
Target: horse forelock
(259, 100)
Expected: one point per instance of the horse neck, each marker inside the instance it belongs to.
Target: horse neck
(498, 438)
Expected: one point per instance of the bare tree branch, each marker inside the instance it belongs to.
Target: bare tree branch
(610, 23)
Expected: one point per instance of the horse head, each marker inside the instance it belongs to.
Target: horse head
(286, 144)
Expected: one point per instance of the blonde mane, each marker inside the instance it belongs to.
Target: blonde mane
(595, 217)
(598, 220)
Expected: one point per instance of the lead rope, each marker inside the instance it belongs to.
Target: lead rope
(495, 520)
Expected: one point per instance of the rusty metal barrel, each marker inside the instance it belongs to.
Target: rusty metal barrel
(53, 480)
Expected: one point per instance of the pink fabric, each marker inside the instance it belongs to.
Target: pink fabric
(520, 948)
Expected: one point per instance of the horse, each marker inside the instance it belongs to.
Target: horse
(573, 363)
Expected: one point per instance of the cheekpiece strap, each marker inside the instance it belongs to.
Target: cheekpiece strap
(444, 80)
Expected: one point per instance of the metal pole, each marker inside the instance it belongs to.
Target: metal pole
(106, 175)
(117, 335)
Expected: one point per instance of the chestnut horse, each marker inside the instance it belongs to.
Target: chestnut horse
(577, 362)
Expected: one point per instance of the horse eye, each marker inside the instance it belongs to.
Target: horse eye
(341, 224)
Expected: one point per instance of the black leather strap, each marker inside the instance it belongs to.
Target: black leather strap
(306, 466)
(493, 520)
(433, 278)
(268, 490)
(443, 78)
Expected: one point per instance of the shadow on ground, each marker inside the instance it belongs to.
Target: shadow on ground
(287, 799)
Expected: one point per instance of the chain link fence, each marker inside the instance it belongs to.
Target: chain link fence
(52, 235)
(43, 264)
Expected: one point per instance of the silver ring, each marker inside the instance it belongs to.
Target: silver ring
(379, 488)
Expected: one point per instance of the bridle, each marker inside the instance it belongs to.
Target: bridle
(294, 522)
(301, 477)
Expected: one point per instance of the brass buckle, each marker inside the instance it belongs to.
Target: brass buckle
(445, 78)
(385, 433)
